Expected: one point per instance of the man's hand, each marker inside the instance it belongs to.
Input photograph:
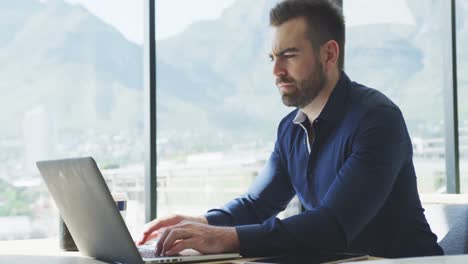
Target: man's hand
(200, 237)
(155, 227)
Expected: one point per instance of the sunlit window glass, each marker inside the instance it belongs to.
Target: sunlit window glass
(72, 85)
(217, 105)
(398, 47)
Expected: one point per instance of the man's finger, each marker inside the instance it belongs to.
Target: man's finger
(173, 236)
(180, 245)
(161, 240)
(147, 238)
(149, 229)
(157, 224)
(154, 225)
(155, 234)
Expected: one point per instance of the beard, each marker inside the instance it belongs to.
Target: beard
(306, 90)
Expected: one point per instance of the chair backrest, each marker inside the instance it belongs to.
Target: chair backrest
(447, 215)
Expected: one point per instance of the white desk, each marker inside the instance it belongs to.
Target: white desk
(46, 251)
(18, 259)
(456, 259)
(40, 251)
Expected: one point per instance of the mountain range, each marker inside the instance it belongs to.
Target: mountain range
(213, 78)
(59, 56)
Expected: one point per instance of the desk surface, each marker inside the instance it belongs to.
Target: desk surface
(46, 251)
(39, 251)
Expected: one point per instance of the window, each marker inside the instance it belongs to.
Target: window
(217, 105)
(399, 47)
(72, 85)
(462, 61)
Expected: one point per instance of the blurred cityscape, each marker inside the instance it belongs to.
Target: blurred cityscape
(190, 181)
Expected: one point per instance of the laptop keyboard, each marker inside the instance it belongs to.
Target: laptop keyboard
(147, 252)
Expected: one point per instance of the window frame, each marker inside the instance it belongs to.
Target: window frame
(149, 77)
(452, 155)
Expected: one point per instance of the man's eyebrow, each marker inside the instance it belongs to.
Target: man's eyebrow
(283, 51)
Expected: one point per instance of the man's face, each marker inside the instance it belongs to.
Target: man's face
(298, 70)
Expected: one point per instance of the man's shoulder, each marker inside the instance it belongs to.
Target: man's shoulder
(365, 98)
(368, 106)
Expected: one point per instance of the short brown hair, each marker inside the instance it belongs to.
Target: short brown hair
(325, 21)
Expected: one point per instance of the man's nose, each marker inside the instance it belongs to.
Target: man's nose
(279, 69)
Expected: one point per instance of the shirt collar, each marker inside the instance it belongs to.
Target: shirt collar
(333, 109)
(300, 117)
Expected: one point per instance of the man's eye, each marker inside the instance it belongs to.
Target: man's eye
(271, 58)
(287, 56)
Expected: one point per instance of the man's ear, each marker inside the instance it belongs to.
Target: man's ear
(330, 52)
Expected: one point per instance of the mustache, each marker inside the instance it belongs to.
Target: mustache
(284, 80)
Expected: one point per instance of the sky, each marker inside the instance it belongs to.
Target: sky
(362, 12)
(171, 18)
(128, 17)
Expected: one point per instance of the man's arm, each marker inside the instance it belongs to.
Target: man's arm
(361, 187)
(268, 195)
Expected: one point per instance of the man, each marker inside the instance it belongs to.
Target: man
(345, 152)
